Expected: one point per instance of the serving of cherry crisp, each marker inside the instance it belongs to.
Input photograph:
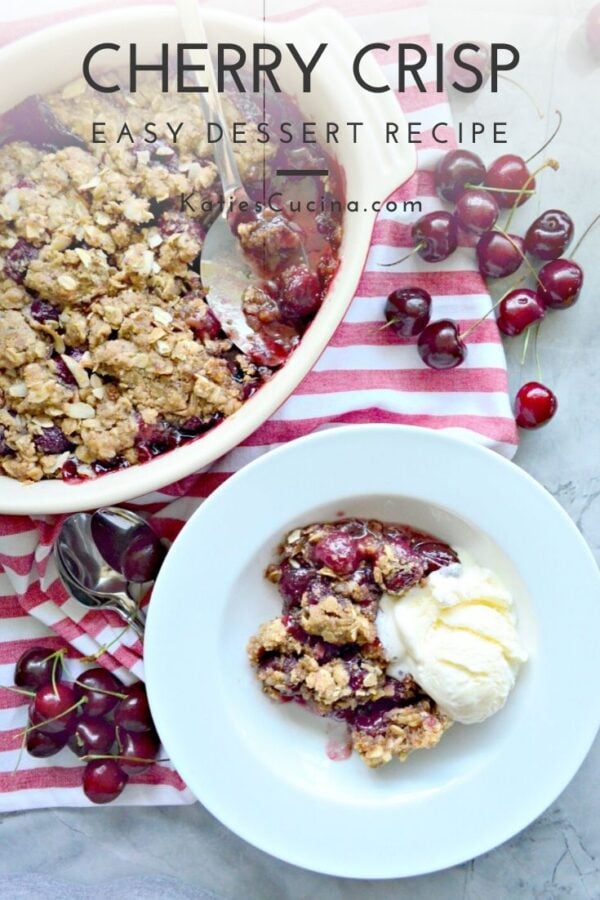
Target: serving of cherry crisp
(109, 353)
(323, 651)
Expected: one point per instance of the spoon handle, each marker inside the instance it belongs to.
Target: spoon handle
(132, 614)
(194, 31)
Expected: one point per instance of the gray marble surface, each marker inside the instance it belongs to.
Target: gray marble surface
(184, 853)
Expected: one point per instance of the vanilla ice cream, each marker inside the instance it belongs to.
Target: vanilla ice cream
(456, 635)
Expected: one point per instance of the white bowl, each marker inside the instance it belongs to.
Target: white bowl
(372, 170)
(261, 767)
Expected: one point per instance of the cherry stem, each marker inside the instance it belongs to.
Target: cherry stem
(550, 139)
(16, 690)
(548, 164)
(584, 235)
(491, 309)
(538, 365)
(61, 715)
(522, 255)
(525, 91)
(498, 190)
(404, 258)
(136, 759)
(97, 690)
(94, 657)
(525, 346)
(56, 659)
(21, 752)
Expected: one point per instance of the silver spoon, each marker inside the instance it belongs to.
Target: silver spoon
(225, 270)
(105, 558)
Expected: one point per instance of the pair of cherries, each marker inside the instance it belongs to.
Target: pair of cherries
(104, 722)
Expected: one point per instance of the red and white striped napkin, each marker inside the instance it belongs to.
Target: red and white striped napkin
(364, 375)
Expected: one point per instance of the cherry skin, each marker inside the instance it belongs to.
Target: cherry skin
(43, 745)
(49, 703)
(458, 77)
(592, 30)
(100, 688)
(136, 746)
(92, 734)
(535, 405)
(476, 211)
(408, 311)
(548, 236)
(436, 236)
(455, 170)
(499, 254)
(509, 174)
(34, 668)
(133, 713)
(519, 309)
(103, 780)
(560, 283)
(440, 346)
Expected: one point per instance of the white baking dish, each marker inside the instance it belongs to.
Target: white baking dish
(46, 60)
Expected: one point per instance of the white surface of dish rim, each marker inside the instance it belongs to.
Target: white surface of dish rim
(420, 825)
(371, 174)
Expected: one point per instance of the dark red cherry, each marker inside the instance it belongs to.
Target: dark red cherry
(36, 667)
(43, 745)
(560, 283)
(549, 235)
(137, 750)
(408, 310)
(535, 405)
(52, 440)
(300, 292)
(499, 254)
(102, 689)
(436, 236)
(457, 76)
(592, 30)
(440, 345)
(337, 551)
(92, 734)
(103, 780)
(133, 713)
(476, 211)
(17, 259)
(519, 309)
(54, 703)
(508, 175)
(455, 170)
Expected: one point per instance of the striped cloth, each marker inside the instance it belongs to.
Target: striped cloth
(364, 375)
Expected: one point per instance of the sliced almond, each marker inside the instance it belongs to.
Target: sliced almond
(80, 410)
(18, 389)
(155, 240)
(163, 348)
(67, 282)
(162, 316)
(77, 371)
(91, 184)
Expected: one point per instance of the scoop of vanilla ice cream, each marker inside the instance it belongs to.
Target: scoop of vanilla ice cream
(456, 635)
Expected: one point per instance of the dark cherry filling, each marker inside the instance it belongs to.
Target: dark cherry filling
(17, 259)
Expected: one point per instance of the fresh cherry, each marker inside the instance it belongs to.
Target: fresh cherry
(592, 30)
(560, 283)
(408, 310)
(43, 745)
(463, 79)
(435, 236)
(519, 309)
(508, 175)
(455, 170)
(102, 689)
(103, 780)
(440, 345)
(535, 405)
(133, 713)
(54, 703)
(548, 236)
(499, 254)
(92, 734)
(137, 750)
(476, 211)
(36, 667)
(300, 292)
